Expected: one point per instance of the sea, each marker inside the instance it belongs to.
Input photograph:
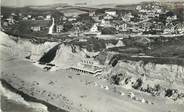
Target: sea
(13, 101)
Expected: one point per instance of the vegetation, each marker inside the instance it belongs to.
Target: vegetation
(115, 79)
(108, 30)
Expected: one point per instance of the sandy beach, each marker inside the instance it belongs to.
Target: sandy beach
(71, 92)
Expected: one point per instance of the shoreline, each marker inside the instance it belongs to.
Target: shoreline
(50, 107)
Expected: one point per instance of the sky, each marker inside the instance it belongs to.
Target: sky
(20, 3)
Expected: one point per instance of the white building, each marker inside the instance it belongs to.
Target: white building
(25, 18)
(180, 27)
(127, 17)
(10, 20)
(108, 17)
(170, 28)
(36, 28)
(92, 13)
(48, 17)
(13, 14)
(105, 23)
(59, 28)
(111, 12)
(94, 28)
(29, 16)
(123, 27)
(171, 18)
(138, 8)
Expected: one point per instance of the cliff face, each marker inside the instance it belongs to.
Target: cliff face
(167, 76)
(14, 47)
(59, 54)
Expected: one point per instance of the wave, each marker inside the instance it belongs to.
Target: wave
(13, 102)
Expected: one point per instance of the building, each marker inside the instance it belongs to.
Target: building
(59, 28)
(88, 66)
(5, 23)
(29, 16)
(111, 12)
(36, 28)
(171, 18)
(92, 13)
(105, 23)
(25, 18)
(33, 19)
(72, 19)
(127, 17)
(13, 14)
(40, 18)
(138, 7)
(10, 20)
(1, 16)
(169, 29)
(180, 27)
(38, 25)
(123, 27)
(48, 17)
(146, 26)
(108, 17)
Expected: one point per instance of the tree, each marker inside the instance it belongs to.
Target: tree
(109, 30)
(67, 26)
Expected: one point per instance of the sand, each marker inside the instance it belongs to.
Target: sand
(76, 93)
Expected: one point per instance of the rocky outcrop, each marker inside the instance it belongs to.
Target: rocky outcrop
(158, 79)
(21, 48)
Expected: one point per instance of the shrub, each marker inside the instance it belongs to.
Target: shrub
(115, 79)
(109, 30)
(138, 83)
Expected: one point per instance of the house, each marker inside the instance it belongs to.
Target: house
(2, 16)
(138, 7)
(59, 28)
(36, 28)
(64, 18)
(111, 12)
(38, 25)
(143, 16)
(72, 19)
(94, 28)
(5, 23)
(169, 29)
(10, 20)
(48, 17)
(171, 18)
(91, 13)
(25, 18)
(83, 40)
(13, 14)
(98, 17)
(105, 23)
(127, 17)
(19, 14)
(180, 27)
(93, 31)
(29, 16)
(146, 26)
(33, 19)
(108, 17)
(123, 27)
(40, 18)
